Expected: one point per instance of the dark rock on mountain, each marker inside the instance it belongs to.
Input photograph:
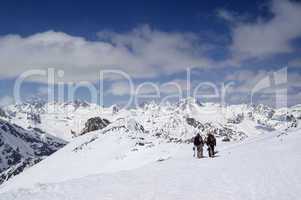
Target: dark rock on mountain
(35, 118)
(199, 125)
(20, 148)
(93, 124)
(3, 113)
(225, 132)
(292, 121)
(263, 110)
(236, 119)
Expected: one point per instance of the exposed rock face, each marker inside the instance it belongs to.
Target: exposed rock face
(188, 104)
(236, 119)
(292, 121)
(30, 106)
(225, 132)
(93, 124)
(35, 118)
(296, 111)
(2, 113)
(196, 124)
(21, 148)
(262, 110)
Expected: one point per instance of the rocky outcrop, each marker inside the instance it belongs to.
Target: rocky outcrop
(237, 119)
(34, 117)
(292, 121)
(20, 148)
(261, 110)
(94, 124)
(224, 132)
(3, 113)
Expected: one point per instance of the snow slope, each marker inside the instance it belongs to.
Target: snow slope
(118, 146)
(22, 148)
(262, 167)
(145, 153)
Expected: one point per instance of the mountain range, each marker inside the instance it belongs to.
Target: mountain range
(91, 140)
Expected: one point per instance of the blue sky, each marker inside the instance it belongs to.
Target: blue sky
(87, 18)
(154, 41)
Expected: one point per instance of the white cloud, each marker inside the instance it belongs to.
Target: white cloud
(42, 91)
(241, 75)
(176, 86)
(295, 63)
(6, 100)
(294, 79)
(246, 81)
(141, 53)
(266, 38)
(294, 99)
(120, 88)
(226, 15)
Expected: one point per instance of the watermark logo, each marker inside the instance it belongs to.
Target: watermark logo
(274, 82)
(146, 91)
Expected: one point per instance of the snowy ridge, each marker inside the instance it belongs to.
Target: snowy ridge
(20, 148)
(164, 171)
(66, 120)
(142, 137)
(56, 118)
(122, 143)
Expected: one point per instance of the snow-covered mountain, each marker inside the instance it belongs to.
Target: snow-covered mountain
(60, 119)
(20, 148)
(66, 120)
(124, 161)
(112, 140)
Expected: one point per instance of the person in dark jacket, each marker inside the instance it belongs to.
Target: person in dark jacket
(199, 144)
(211, 143)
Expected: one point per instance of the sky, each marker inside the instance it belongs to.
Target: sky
(253, 47)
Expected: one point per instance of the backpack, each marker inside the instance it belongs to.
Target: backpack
(198, 140)
(211, 140)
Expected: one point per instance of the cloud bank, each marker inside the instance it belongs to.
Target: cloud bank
(142, 52)
(264, 38)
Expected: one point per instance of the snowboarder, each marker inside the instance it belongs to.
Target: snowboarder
(211, 143)
(198, 144)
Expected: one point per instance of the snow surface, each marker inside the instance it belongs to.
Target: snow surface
(263, 167)
(57, 118)
(20, 148)
(60, 119)
(144, 154)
